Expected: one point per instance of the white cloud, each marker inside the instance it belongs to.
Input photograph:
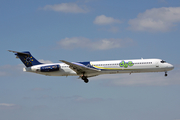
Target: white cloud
(3, 73)
(156, 19)
(44, 61)
(9, 106)
(66, 7)
(141, 79)
(102, 44)
(74, 42)
(114, 29)
(103, 20)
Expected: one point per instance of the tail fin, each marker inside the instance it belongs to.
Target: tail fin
(26, 58)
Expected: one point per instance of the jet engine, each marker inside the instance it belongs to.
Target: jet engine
(50, 68)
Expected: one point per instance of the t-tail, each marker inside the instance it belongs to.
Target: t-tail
(26, 58)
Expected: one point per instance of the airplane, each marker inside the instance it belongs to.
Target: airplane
(92, 68)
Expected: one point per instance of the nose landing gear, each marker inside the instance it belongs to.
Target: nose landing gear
(166, 74)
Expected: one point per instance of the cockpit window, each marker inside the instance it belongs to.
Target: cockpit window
(163, 61)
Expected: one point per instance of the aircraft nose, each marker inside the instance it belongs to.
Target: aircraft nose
(170, 66)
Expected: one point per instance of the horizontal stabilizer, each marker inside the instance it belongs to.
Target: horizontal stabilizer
(18, 52)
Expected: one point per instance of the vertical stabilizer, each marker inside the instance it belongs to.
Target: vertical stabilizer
(26, 58)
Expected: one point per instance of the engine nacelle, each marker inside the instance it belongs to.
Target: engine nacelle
(50, 68)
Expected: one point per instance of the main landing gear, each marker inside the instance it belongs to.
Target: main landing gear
(85, 79)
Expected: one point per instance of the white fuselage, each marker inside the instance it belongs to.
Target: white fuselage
(106, 67)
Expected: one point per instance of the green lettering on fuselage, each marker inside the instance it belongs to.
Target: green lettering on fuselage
(126, 64)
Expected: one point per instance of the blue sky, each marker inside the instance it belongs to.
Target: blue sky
(85, 30)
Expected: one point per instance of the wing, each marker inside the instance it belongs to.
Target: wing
(80, 68)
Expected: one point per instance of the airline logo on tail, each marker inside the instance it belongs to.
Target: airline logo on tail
(28, 60)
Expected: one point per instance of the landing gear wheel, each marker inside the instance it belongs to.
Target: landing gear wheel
(86, 80)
